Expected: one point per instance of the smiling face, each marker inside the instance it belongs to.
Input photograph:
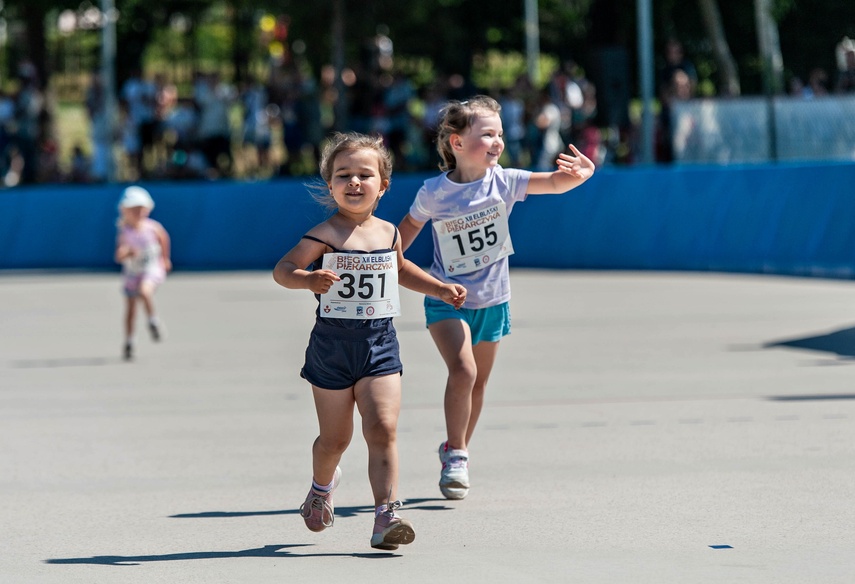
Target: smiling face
(481, 144)
(357, 183)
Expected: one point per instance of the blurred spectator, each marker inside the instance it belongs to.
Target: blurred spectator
(100, 130)
(679, 89)
(396, 107)
(7, 130)
(796, 87)
(291, 87)
(256, 125)
(817, 83)
(675, 60)
(81, 166)
(360, 97)
(310, 118)
(846, 66)
(140, 98)
(131, 142)
(184, 157)
(214, 98)
(179, 126)
(434, 99)
(29, 106)
(47, 165)
(565, 89)
(513, 122)
(547, 121)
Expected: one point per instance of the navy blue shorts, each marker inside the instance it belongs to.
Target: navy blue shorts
(337, 357)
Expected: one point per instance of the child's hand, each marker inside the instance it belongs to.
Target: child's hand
(577, 164)
(320, 281)
(125, 252)
(453, 294)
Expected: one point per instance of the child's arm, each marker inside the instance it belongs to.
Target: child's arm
(409, 228)
(572, 171)
(165, 246)
(413, 277)
(123, 250)
(289, 273)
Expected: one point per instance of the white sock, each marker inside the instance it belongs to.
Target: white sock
(322, 488)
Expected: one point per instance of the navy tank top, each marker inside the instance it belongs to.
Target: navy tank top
(350, 323)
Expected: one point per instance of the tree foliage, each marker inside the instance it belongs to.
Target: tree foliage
(448, 33)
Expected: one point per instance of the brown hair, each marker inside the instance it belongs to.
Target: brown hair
(348, 142)
(455, 118)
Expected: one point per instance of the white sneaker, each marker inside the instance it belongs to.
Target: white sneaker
(454, 478)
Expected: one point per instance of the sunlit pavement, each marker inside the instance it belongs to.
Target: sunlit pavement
(639, 427)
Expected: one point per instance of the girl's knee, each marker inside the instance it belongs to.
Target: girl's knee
(381, 432)
(333, 444)
(478, 390)
(463, 373)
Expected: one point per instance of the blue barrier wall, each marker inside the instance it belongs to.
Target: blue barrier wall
(785, 219)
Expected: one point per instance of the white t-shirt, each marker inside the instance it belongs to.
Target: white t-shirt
(442, 199)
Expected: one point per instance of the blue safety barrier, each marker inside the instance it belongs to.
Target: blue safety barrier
(786, 219)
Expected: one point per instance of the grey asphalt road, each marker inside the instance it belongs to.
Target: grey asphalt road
(639, 428)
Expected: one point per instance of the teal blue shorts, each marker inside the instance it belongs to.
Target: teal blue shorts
(487, 324)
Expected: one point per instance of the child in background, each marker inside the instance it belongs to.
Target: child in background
(469, 205)
(353, 355)
(143, 249)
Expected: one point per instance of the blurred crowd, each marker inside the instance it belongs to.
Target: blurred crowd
(275, 126)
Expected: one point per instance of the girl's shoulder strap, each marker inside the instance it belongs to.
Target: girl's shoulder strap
(395, 238)
(312, 238)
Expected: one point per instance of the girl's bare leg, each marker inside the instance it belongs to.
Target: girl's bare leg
(335, 422)
(130, 315)
(485, 356)
(379, 403)
(454, 341)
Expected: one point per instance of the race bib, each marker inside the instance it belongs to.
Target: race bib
(144, 260)
(368, 287)
(473, 241)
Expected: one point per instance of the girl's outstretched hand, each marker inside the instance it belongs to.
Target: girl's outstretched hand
(320, 281)
(453, 294)
(576, 164)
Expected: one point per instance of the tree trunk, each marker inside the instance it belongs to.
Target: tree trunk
(770, 48)
(729, 77)
(33, 14)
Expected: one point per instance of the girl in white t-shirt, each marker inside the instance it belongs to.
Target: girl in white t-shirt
(468, 206)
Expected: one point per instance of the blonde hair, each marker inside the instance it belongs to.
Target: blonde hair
(455, 118)
(348, 142)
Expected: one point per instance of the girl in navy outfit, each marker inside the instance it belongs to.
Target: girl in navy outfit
(353, 357)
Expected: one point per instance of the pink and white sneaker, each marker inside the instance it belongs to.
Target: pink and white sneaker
(317, 510)
(391, 530)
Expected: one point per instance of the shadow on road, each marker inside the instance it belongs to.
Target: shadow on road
(268, 551)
